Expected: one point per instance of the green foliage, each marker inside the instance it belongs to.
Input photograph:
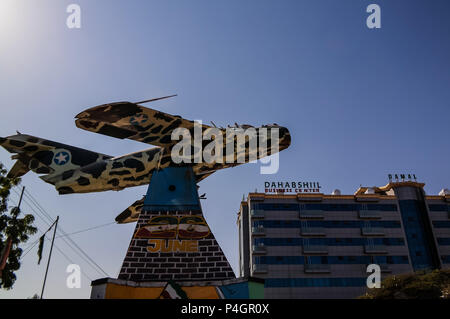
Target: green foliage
(11, 226)
(421, 285)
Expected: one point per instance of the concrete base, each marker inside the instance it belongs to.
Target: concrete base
(240, 288)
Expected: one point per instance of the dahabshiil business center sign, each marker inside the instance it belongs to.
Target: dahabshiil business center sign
(291, 187)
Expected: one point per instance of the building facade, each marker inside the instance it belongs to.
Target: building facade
(311, 245)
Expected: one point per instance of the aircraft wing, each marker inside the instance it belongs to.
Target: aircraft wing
(199, 176)
(133, 121)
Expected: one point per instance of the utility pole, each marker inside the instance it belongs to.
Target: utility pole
(20, 199)
(50, 255)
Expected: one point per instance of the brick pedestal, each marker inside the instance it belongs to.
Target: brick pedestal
(159, 251)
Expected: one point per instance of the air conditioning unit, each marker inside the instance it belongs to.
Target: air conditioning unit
(336, 192)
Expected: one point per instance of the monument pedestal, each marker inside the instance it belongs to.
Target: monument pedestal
(181, 255)
(171, 242)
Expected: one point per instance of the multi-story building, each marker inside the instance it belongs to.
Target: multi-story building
(312, 245)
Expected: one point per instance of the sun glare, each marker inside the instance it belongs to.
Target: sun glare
(9, 16)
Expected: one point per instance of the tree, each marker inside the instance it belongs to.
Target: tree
(13, 230)
(421, 285)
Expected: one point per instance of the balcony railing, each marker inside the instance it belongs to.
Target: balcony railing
(372, 231)
(375, 249)
(311, 214)
(312, 231)
(258, 231)
(259, 249)
(317, 268)
(383, 268)
(369, 214)
(315, 249)
(257, 213)
(259, 269)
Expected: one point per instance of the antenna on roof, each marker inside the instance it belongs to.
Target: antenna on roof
(156, 99)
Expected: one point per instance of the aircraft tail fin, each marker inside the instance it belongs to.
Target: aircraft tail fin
(131, 214)
(45, 157)
(19, 169)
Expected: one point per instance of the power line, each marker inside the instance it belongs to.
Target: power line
(65, 235)
(26, 246)
(41, 213)
(32, 245)
(70, 260)
(71, 244)
(29, 248)
(61, 252)
(57, 248)
(87, 229)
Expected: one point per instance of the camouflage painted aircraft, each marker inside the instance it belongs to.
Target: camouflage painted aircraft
(74, 170)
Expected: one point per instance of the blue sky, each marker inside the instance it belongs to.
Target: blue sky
(359, 103)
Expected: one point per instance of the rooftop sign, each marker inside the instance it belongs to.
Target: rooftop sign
(402, 177)
(292, 187)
